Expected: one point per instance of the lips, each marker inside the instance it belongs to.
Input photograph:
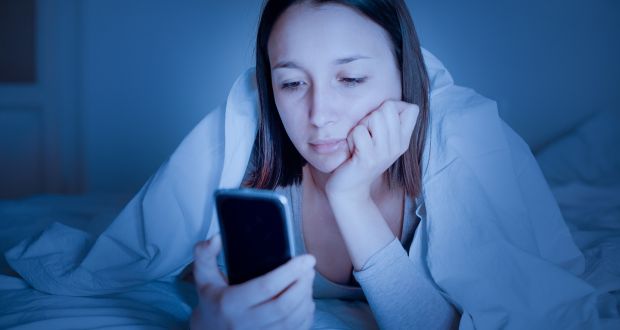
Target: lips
(327, 146)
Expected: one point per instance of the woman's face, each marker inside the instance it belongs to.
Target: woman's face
(330, 67)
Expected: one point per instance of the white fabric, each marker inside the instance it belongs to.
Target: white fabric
(153, 236)
(494, 240)
(492, 236)
(587, 154)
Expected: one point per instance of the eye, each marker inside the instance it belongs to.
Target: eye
(352, 82)
(292, 86)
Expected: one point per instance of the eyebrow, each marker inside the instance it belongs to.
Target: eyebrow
(340, 61)
(350, 59)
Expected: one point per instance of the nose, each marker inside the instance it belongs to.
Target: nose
(322, 112)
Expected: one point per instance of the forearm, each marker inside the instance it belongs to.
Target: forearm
(362, 226)
(400, 293)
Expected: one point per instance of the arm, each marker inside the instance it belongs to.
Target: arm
(399, 292)
(399, 297)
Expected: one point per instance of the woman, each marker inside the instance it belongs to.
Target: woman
(408, 192)
(345, 138)
(344, 131)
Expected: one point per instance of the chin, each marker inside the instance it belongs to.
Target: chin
(328, 164)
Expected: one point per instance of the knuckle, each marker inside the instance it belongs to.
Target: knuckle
(205, 291)
(389, 103)
(372, 120)
(209, 291)
(299, 266)
(395, 106)
(376, 114)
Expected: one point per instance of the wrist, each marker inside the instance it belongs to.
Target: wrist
(348, 197)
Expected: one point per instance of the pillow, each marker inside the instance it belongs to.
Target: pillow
(589, 153)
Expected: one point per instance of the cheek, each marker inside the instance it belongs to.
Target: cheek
(358, 112)
(293, 125)
(375, 94)
(292, 112)
(359, 107)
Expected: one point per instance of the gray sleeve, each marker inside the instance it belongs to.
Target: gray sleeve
(401, 295)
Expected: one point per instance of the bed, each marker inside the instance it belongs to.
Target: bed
(157, 305)
(582, 167)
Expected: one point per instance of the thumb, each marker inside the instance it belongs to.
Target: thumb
(206, 271)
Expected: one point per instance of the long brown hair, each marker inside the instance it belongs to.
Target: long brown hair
(276, 161)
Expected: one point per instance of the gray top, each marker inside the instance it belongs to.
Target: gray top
(397, 289)
(323, 287)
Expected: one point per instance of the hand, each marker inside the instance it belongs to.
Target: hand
(374, 144)
(281, 298)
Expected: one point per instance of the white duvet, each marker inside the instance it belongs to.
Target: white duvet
(126, 276)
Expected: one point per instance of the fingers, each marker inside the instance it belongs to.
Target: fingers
(301, 317)
(289, 307)
(400, 120)
(392, 120)
(388, 129)
(361, 140)
(266, 287)
(408, 119)
(377, 127)
(206, 271)
(351, 144)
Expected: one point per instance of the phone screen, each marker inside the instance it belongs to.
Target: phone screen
(254, 233)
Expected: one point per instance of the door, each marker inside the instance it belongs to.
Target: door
(40, 149)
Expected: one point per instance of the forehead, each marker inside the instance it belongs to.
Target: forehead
(310, 32)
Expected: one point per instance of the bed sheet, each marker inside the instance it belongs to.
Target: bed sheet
(23, 218)
(583, 169)
(593, 217)
(157, 305)
(592, 213)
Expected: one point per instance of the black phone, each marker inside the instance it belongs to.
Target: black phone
(255, 226)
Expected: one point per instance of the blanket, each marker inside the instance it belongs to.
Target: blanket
(498, 269)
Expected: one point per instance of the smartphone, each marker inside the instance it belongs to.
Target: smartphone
(255, 226)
